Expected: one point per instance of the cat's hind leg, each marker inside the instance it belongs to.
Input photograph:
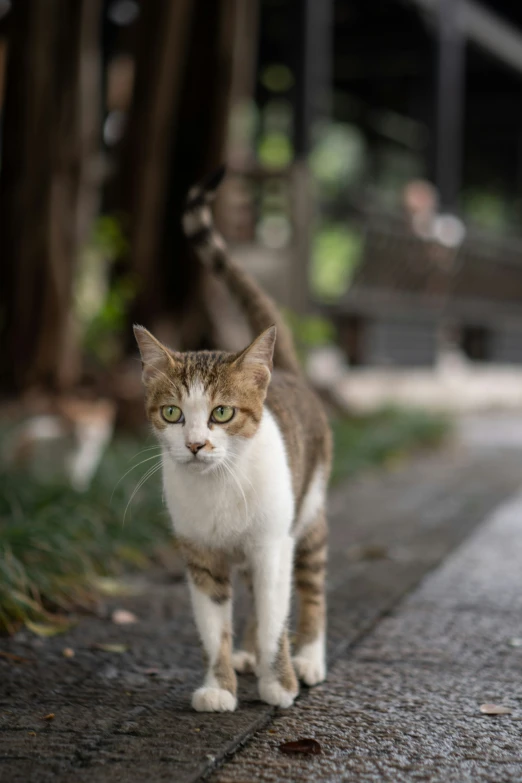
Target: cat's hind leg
(211, 593)
(310, 575)
(244, 659)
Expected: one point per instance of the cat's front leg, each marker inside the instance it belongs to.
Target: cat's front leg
(211, 592)
(272, 572)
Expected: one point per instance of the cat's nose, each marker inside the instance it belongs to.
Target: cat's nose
(195, 447)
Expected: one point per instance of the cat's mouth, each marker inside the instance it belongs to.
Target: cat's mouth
(200, 459)
(203, 461)
(202, 465)
(199, 462)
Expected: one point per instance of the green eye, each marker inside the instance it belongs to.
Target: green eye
(222, 414)
(172, 413)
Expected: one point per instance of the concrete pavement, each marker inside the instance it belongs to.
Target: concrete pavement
(412, 657)
(404, 704)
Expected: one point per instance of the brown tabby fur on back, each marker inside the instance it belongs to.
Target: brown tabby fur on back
(303, 423)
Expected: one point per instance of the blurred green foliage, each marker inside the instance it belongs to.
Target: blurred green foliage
(275, 147)
(486, 209)
(275, 150)
(309, 331)
(102, 333)
(102, 300)
(108, 237)
(338, 158)
(336, 251)
(383, 438)
(277, 77)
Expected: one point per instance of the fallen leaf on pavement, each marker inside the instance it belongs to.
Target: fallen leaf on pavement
(152, 671)
(308, 747)
(515, 642)
(359, 552)
(109, 586)
(114, 648)
(494, 709)
(15, 658)
(49, 717)
(47, 629)
(123, 617)
(68, 652)
(32, 733)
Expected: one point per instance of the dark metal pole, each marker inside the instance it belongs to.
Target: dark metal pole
(313, 85)
(450, 103)
(314, 69)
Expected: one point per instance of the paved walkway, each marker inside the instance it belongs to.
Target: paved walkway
(425, 595)
(403, 703)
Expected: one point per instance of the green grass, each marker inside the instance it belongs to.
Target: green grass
(55, 542)
(384, 437)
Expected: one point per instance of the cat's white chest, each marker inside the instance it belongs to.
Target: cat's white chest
(228, 507)
(209, 509)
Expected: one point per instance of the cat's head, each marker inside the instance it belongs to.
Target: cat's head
(205, 406)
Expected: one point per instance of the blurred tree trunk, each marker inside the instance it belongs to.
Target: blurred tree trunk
(199, 147)
(160, 70)
(47, 132)
(176, 134)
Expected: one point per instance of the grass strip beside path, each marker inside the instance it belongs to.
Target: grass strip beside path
(56, 542)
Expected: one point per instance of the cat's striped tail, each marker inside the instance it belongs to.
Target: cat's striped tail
(259, 309)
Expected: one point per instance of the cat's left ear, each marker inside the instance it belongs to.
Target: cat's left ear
(156, 358)
(259, 355)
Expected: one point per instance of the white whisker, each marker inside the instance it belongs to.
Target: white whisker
(230, 471)
(242, 474)
(150, 472)
(150, 448)
(148, 459)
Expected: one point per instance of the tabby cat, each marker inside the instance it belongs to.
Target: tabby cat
(246, 459)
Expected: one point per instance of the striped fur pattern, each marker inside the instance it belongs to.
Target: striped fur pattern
(257, 306)
(248, 491)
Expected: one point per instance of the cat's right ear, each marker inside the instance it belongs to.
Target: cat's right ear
(156, 359)
(257, 359)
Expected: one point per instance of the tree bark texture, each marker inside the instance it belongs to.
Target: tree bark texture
(46, 133)
(176, 134)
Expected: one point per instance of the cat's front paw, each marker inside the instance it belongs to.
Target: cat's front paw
(310, 662)
(213, 700)
(244, 662)
(271, 691)
(309, 670)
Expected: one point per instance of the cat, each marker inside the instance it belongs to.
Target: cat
(246, 460)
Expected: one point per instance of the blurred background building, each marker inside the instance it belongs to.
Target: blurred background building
(375, 178)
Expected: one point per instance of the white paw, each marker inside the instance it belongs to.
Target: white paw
(272, 692)
(213, 700)
(243, 661)
(311, 671)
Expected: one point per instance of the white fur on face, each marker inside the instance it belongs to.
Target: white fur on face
(223, 508)
(197, 409)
